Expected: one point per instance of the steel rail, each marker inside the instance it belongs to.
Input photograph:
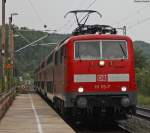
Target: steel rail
(143, 113)
(124, 128)
(143, 109)
(120, 127)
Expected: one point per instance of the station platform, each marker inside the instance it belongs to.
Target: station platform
(29, 113)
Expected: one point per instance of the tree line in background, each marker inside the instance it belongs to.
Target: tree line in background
(142, 64)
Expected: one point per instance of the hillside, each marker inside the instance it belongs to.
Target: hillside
(28, 59)
(145, 47)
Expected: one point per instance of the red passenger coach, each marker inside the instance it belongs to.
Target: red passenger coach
(91, 74)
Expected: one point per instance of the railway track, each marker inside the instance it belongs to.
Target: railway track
(125, 129)
(93, 126)
(143, 113)
(134, 125)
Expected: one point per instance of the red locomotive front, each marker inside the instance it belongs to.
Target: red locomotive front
(100, 73)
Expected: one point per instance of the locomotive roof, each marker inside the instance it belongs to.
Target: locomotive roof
(98, 36)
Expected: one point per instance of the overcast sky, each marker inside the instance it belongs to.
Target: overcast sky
(35, 13)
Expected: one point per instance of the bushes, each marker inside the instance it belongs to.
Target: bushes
(143, 80)
(144, 100)
(142, 77)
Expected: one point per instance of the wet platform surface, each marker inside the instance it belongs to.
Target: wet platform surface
(29, 113)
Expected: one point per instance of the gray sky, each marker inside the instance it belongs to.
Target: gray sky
(35, 13)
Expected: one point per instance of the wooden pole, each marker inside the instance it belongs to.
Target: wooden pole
(4, 78)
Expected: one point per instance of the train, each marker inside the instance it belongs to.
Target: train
(91, 73)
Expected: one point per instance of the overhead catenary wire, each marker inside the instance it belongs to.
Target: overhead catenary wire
(138, 23)
(82, 17)
(36, 12)
(69, 21)
(128, 19)
(90, 5)
(130, 16)
(20, 49)
(22, 36)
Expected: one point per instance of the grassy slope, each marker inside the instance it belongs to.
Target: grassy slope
(144, 100)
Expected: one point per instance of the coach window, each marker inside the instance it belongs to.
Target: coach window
(37, 83)
(42, 84)
(42, 66)
(62, 54)
(57, 57)
(64, 51)
(50, 59)
(50, 86)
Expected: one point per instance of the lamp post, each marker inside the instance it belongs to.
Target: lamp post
(11, 51)
(11, 36)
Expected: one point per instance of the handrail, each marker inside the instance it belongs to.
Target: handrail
(5, 94)
(1, 94)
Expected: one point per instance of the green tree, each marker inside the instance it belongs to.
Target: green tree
(140, 59)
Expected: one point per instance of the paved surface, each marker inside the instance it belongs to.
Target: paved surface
(31, 114)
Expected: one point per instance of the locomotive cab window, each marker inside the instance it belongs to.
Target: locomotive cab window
(101, 50)
(114, 50)
(87, 50)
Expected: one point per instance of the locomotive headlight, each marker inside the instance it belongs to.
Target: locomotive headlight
(101, 63)
(80, 89)
(123, 88)
(3, 51)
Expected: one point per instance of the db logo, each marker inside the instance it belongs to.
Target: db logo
(102, 78)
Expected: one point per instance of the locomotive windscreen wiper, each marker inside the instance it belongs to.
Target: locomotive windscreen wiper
(79, 53)
(123, 51)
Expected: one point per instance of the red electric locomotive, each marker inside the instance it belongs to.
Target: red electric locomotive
(91, 73)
